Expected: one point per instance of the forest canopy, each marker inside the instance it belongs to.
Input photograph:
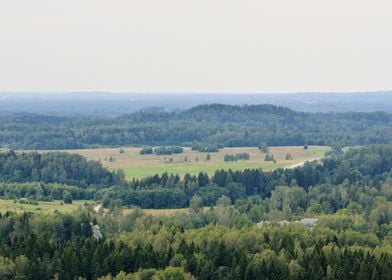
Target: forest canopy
(204, 127)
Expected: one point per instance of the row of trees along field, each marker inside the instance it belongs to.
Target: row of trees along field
(205, 128)
(64, 168)
(359, 174)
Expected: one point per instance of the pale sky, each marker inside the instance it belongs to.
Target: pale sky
(195, 46)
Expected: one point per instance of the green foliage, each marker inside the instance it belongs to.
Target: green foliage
(196, 203)
(172, 273)
(67, 197)
(169, 273)
(269, 157)
(237, 157)
(44, 192)
(144, 247)
(168, 150)
(263, 147)
(146, 151)
(211, 148)
(64, 168)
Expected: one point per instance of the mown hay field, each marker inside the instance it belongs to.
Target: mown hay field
(42, 207)
(193, 162)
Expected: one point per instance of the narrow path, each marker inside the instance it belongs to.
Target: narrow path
(303, 162)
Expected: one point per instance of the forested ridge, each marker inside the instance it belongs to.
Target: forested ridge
(217, 124)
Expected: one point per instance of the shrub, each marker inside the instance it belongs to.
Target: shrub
(67, 197)
(146, 151)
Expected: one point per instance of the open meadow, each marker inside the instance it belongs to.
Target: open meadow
(193, 162)
(48, 207)
(42, 207)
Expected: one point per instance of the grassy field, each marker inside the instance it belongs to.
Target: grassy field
(50, 207)
(138, 166)
(42, 207)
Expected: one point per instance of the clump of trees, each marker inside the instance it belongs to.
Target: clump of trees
(146, 151)
(45, 192)
(67, 197)
(288, 156)
(269, 157)
(263, 147)
(176, 273)
(209, 148)
(168, 150)
(237, 157)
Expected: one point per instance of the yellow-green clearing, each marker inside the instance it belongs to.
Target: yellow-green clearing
(193, 162)
(42, 207)
(49, 207)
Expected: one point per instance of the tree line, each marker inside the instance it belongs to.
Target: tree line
(50, 176)
(63, 168)
(205, 128)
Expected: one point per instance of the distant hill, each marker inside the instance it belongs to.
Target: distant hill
(115, 104)
(214, 124)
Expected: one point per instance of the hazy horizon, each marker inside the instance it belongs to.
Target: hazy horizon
(101, 103)
(231, 46)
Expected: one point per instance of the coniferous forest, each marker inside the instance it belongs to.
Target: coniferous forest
(326, 219)
(217, 124)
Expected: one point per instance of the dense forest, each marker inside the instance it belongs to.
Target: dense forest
(205, 125)
(326, 219)
(66, 246)
(61, 168)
